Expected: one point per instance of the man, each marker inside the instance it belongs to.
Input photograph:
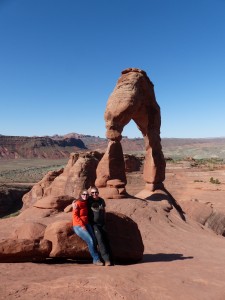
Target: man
(97, 220)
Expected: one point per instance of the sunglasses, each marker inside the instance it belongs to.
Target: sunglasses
(94, 192)
(84, 194)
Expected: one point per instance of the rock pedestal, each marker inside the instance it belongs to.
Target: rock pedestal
(111, 176)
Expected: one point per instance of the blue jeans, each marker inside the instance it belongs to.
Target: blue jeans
(88, 237)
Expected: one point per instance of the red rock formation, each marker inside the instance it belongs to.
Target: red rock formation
(29, 231)
(45, 216)
(38, 190)
(79, 173)
(52, 236)
(111, 172)
(132, 99)
(14, 250)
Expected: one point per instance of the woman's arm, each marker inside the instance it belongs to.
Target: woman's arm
(76, 215)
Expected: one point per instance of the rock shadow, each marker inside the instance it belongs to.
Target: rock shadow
(11, 198)
(164, 257)
(159, 197)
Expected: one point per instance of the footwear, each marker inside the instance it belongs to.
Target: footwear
(108, 263)
(98, 263)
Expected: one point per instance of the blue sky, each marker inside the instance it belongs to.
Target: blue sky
(60, 61)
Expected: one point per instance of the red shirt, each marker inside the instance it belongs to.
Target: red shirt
(80, 213)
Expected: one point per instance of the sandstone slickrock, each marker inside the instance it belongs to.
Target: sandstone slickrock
(198, 211)
(132, 99)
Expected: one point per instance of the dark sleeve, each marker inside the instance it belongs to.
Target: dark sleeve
(103, 203)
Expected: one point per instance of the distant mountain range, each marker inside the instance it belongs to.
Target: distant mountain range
(57, 146)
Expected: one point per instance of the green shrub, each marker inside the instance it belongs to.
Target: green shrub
(214, 181)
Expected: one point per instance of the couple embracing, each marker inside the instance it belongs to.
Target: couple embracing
(89, 225)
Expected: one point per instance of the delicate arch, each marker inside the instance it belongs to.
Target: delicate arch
(132, 99)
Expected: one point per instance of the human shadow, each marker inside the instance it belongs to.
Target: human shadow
(60, 261)
(163, 257)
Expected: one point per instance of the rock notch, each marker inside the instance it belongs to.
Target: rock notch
(132, 99)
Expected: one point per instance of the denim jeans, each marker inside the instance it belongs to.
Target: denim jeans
(89, 238)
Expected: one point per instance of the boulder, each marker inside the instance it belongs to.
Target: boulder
(123, 233)
(124, 238)
(65, 243)
(54, 202)
(15, 250)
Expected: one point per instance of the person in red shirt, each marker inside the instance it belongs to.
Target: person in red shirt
(81, 226)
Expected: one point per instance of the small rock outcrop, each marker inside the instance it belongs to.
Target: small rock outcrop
(132, 99)
(59, 187)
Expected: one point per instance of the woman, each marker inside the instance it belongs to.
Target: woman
(97, 219)
(81, 226)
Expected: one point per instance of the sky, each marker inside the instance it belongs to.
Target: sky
(60, 61)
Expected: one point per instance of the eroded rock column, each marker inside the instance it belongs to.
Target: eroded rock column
(111, 177)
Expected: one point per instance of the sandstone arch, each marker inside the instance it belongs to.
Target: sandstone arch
(132, 99)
